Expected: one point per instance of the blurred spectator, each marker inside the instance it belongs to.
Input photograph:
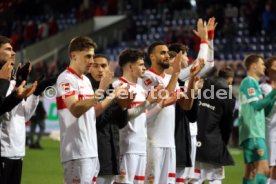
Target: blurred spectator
(43, 30)
(231, 11)
(53, 27)
(30, 33)
(240, 73)
(253, 17)
(229, 32)
(269, 20)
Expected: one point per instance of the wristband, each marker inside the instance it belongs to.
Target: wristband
(211, 34)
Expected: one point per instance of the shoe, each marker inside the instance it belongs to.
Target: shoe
(38, 146)
(32, 146)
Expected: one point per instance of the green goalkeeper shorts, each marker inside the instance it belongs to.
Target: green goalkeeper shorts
(254, 149)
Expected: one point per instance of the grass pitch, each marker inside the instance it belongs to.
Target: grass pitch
(44, 167)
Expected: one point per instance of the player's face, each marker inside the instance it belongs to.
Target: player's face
(98, 68)
(138, 68)
(260, 67)
(7, 53)
(161, 57)
(84, 59)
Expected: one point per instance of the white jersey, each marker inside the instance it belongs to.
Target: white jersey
(271, 118)
(78, 136)
(13, 127)
(133, 137)
(161, 130)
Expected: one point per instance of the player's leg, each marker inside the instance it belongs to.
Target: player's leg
(190, 172)
(105, 179)
(273, 175)
(153, 167)
(32, 134)
(261, 163)
(41, 125)
(248, 154)
(180, 175)
(128, 164)
(168, 172)
(140, 169)
(213, 173)
(81, 170)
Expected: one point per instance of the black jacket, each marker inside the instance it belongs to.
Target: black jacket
(4, 86)
(9, 102)
(215, 121)
(108, 125)
(182, 133)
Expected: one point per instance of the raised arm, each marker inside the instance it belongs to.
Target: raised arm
(206, 51)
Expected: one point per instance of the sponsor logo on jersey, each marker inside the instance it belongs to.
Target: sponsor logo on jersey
(65, 87)
(147, 82)
(251, 91)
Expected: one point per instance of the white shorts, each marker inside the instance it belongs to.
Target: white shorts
(271, 144)
(84, 171)
(132, 168)
(105, 179)
(161, 166)
(210, 172)
(188, 173)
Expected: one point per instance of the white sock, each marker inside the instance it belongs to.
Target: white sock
(268, 181)
(272, 181)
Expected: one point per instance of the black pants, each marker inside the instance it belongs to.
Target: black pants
(41, 125)
(11, 170)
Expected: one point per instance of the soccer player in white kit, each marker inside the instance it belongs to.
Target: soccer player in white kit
(77, 108)
(161, 145)
(270, 112)
(133, 137)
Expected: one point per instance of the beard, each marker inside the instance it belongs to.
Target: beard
(164, 65)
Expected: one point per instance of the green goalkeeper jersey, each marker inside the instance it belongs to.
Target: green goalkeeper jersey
(251, 121)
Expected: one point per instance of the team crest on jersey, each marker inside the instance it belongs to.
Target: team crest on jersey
(147, 82)
(65, 87)
(251, 91)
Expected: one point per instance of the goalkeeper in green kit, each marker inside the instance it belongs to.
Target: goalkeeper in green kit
(252, 121)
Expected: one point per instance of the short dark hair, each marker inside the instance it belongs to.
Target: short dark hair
(268, 63)
(4, 40)
(129, 56)
(101, 56)
(175, 48)
(226, 72)
(80, 43)
(251, 59)
(153, 45)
